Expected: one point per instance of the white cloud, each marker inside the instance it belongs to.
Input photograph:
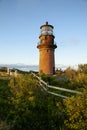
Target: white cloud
(72, 40)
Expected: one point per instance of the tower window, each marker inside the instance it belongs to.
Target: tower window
(45, 37)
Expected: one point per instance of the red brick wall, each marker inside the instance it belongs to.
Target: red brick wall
(46, 61)
(46, 54)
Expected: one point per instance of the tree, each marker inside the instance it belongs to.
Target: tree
(70, 73)
(82, 68)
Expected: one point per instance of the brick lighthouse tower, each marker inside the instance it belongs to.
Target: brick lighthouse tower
(46, 48)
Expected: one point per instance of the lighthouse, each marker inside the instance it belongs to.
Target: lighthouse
(46, 48)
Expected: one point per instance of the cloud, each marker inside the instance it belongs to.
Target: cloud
(72, 40)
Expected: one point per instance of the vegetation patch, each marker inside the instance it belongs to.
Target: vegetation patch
(25, 106)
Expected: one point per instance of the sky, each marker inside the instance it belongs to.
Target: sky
(20, 22)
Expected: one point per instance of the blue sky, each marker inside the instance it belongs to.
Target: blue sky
(20, 22)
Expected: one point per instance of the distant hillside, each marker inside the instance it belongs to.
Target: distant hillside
(33, 67)
(21, 67)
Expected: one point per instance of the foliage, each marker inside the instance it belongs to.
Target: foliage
(4, 126)
(3, 69)
(76, 111)
(32, 108)
(4, 97)
(25, 105)
(82, 68)
(70, 73)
